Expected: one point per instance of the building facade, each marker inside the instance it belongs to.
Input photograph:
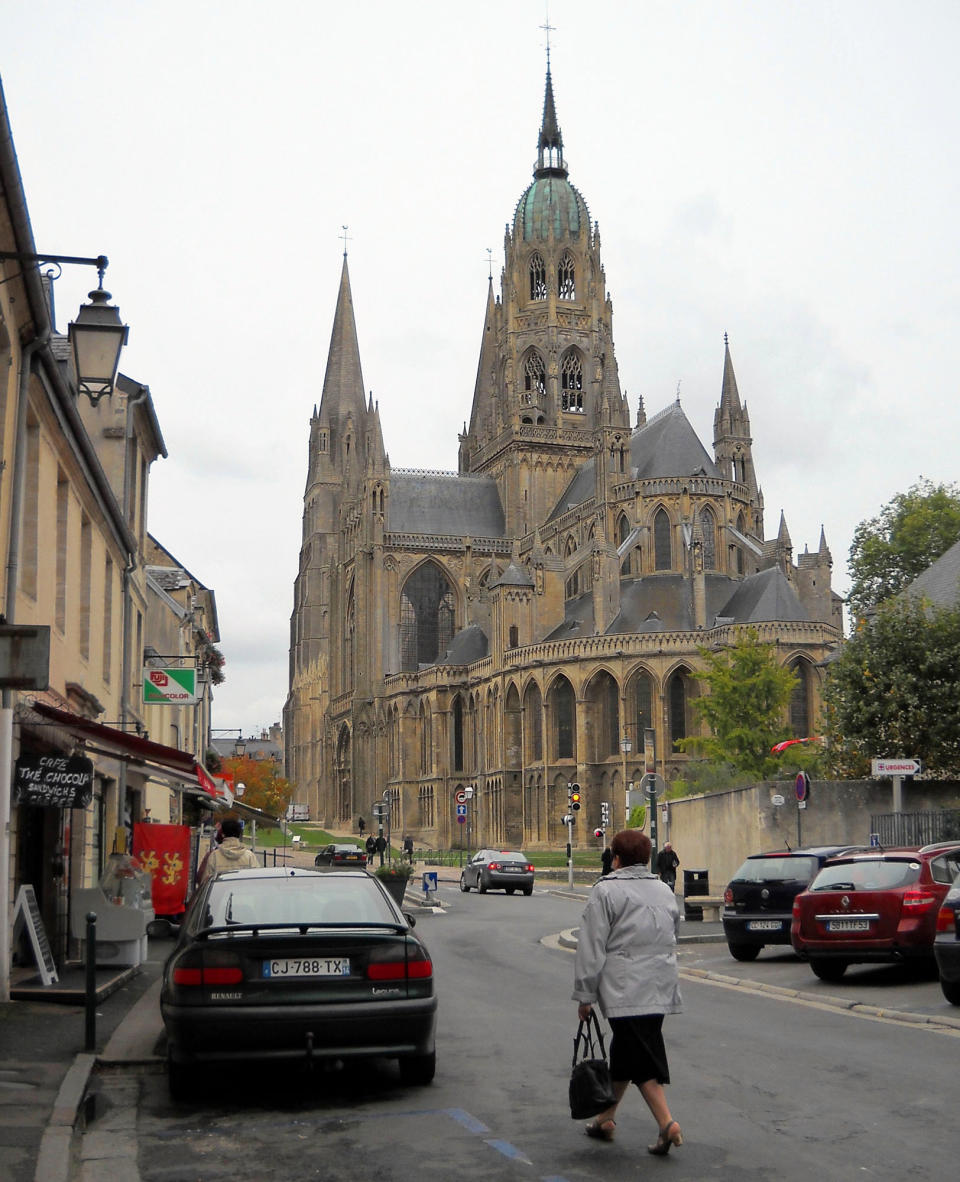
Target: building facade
(79, 564)
(525, 622)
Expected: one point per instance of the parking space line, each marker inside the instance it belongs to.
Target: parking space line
(508, 1150)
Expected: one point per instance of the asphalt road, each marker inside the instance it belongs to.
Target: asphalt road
(764, 1086)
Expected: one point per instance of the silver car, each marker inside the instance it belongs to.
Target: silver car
(498, 870)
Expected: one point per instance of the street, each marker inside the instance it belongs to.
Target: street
(763, 1085)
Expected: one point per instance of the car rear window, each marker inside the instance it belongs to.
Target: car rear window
(297, 899)
(509, 856)
(785, 869)
(873, 875)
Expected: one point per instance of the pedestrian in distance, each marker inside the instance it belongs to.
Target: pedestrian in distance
(626, 963)
(381, 845)
(371, 844)
(408, 848)
(606, 861)
(361, 825)
(231, 854)
(667, 863)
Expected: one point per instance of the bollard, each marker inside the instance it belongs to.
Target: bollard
(90, 1041)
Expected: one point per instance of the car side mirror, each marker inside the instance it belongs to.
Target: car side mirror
(163, 929)
(411, 920)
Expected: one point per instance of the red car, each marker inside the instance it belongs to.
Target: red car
(879, 906)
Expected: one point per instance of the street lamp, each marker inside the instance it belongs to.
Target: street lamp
(625, 747)
(96, 336)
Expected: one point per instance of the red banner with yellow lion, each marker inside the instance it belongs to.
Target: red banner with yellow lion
(164, 850)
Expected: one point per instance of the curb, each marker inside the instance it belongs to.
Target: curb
(935, 1021)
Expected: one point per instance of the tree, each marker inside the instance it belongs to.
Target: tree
(745, 707)
(894, 690)
(264, 787)
(908, 534)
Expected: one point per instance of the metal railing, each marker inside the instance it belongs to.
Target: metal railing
(920, 828)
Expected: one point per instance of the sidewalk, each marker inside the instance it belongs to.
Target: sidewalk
(45, 1069)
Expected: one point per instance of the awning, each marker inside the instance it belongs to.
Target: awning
(156, 759)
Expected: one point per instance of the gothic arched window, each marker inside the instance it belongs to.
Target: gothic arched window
(709, 530)
(571, 383)
(538, 277)
(566, 278)
(800, 701)
(427, 617)
(662, 550)
(564, 719)
(677, 698)
(534, 381)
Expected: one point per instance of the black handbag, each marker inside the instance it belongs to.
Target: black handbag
(591, 1089)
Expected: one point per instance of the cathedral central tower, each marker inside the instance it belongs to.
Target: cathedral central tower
(547, 382)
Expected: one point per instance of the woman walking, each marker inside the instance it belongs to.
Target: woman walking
(627, 964)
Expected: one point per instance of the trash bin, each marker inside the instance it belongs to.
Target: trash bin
(695, 882)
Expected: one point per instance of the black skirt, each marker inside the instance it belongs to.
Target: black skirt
(637, 1052)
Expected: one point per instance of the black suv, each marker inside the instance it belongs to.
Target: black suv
(758, 901)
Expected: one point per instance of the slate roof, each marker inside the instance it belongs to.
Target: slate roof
(470, 644)
(940, 582)
(664, 603)
(444, 503)
(764, 596)
(665, 446)
(516, 575)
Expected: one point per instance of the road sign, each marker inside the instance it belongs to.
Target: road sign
(460, 796)
(802, 785)
(461, 810)
(895, 767)
(462, 819)
(777, 801)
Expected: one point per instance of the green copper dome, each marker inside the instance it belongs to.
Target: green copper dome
(551, 205)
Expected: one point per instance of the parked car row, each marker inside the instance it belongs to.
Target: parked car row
(838, 906)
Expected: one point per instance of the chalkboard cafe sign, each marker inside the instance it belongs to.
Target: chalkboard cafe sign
(61, 781)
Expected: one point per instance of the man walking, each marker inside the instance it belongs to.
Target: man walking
(667, 863)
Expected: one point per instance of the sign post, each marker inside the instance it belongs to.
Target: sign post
(896, 769)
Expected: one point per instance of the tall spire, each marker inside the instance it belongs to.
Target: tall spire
(343, 381)
(550, 144)
(729, 394)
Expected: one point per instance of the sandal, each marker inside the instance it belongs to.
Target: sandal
(670, 1135)
(601, 1130)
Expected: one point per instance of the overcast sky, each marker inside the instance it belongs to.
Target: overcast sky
(783, 172)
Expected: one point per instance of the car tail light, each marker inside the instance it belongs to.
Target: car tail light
(391, 965)
(918, 899)
(530, 868)
(946, 920)
(495, 866)
(728, 895)
(207, 971)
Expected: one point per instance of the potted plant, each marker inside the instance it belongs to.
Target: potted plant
(395, 876)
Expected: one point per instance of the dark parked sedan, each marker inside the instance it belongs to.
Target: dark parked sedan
(285, 964)
(946, 945)
(758, 901)
(340, 854)
(498, 870)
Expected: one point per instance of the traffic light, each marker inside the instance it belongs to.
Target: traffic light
(605, 813)
(575, 797)
(598, 833)
(569, 819)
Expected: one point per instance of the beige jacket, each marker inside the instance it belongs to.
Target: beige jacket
(231, 854)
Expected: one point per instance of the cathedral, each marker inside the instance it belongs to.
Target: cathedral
(533, 619)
